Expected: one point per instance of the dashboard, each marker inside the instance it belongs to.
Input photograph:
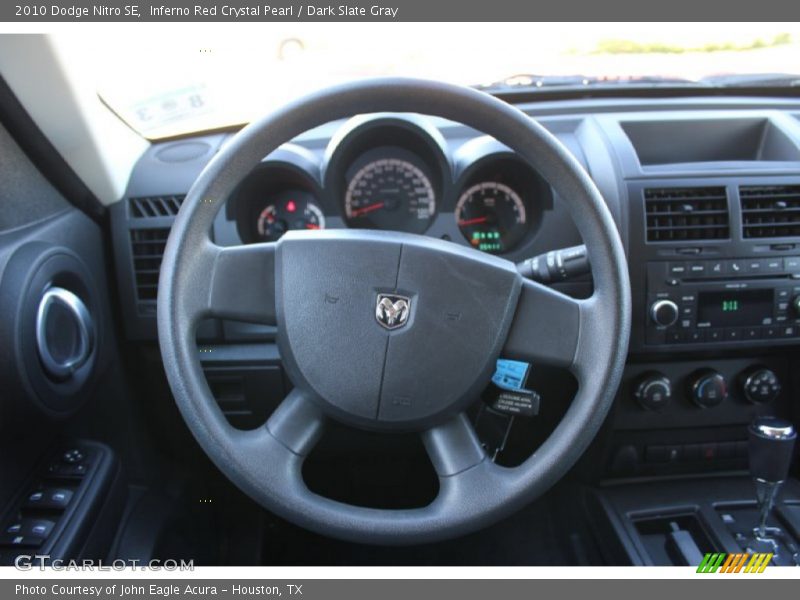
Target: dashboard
(705, 194)
(396, 173)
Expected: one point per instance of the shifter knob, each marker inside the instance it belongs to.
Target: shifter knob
(771, 444)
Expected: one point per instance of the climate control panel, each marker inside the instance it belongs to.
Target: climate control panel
(692, 393)
(707, 388)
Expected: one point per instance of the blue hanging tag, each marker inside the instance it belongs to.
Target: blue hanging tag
(510, 374)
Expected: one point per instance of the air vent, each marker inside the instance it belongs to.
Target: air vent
(155, 206)
(147, 247)
(686, 214)
(770, 211)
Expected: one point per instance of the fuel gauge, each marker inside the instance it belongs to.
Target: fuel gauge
(290, 209)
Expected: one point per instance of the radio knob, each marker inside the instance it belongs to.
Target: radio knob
(760, 385)
(796, 305)
(653, 391)
(664, 312)
(708, 389)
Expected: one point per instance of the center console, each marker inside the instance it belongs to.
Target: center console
(708, 524)
(712, 228)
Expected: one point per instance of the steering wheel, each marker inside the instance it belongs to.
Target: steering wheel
(389, 331)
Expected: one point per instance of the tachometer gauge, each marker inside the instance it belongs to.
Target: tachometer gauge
(492, 217)
(390, 194)
(291, 209)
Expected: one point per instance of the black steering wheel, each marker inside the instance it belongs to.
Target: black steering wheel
(390, 331)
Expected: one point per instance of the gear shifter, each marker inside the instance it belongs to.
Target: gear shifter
(770, 446)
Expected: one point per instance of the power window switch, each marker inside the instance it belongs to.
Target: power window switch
(38, 527)
(57, 498)
(20, 541)
(14, 528)
(35, 499)
(49, 499)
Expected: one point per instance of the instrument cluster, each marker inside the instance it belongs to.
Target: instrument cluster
(396, 173)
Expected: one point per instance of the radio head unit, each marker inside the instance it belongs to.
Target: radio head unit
(723, 301)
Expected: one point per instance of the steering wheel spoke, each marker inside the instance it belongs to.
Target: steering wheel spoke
(241, 283)
(297, 423)
(453, 446)
(547, 326)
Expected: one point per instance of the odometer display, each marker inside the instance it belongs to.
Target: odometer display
(492, 217)
(390, 193)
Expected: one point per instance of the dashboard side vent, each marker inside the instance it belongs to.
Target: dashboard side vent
(686, 214)
(155, 206)
(147, 248)
(770, 211)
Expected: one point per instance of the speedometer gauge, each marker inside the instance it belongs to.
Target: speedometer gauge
(390, 193)
(492, 217)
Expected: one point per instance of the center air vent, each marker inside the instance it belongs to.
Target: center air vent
(686, 214)
(147, 247)
(770, 211)
(154, 206)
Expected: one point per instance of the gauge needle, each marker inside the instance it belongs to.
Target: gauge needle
(474, 221)
(311, 226)
(367, 209)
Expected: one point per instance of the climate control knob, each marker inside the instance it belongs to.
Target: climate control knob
(707, 388)
(664, 312)
(653, 391)
(760, 385)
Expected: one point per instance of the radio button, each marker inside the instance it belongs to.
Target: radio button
(716, 268)
(677, 269)
(755, 266)
(773, 265)
(714, 335)
(769, 333)
(783, 294)
(696, 337)
(787, 331)
(675, 337)
(733, 334)
(752, 333)
(791, 263)
(697, 269)
(736, 267)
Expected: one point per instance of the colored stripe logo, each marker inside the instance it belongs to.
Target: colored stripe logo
(721, 562)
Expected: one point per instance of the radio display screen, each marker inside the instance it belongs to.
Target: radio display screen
(735, 307)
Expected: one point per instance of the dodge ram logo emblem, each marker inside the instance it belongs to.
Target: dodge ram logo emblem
(392, 311)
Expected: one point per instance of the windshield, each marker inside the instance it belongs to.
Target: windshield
(180, 80)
